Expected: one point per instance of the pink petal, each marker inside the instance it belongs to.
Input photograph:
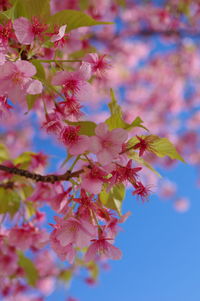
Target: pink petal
(80, 146)
(94, 145)
(119, 135)
(65, 236)
(23, 30)
(86, 91)
(85, 71)
(105, 157)
(101, 130)
(114, 252)
(7, 70)
(91, 185)
(60, 78)
(26, 68)
(91, 252)
(60, 35)
(35, 87)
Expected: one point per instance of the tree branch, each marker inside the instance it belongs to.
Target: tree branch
(51, 178)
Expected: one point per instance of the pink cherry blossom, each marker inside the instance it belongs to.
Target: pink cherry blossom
(26, 31)
(77, 232)
(16, 80)
(64, 252)
(21, 237)
(93, 179)
(75, 83)
(107, 145)
(59, 38)
(102, 249)
(76, 144)
(99, 63)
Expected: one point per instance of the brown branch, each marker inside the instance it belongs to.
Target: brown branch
(51, 178)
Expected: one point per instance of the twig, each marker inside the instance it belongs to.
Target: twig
(51, 178)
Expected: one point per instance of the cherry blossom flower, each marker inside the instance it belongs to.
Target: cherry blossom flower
(144, 144)
(93, 179)
(52, 124)
(75, 231)
(26, 30)
(107, 145)
(64, 252)
(69, 109)
(141, 191)
(76, 144)
(125, 173)
(59, 38)
(102, 249)
(75, 83)
(99, 63)
(16, 80)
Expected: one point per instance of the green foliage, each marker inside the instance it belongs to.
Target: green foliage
(31, 8)
(116, 119)
(86, 127)
(31, 99)
(113, 199)
(133, 155)
(9, 201)
(29, 269)
(163, 147)
(24, 160)
(65, 275)
(40, 70)
(4, 155)
(74, 19)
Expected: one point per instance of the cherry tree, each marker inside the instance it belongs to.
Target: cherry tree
(60, 63)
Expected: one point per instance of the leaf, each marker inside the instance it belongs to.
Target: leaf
(30, 209)
(135, 157)
(73, 19)
(4, 155)
(86, 127)
(32, 8)
(24, 159)
(116, 119)
(137, 122)
(9, 201)
(65, 276)
(163, 147)
(29, 269)
(31, 99)
(113, 199)
(40, 70)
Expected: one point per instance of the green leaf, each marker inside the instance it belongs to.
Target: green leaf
(29, 269)
(133, 155)
(137, 122)
(83, 4)
(65, 276)
(9, 201)
(32, 8)
(31, 99)
(73, 19)
(30, 209)
(86, 127)
(163, 147)
(24, 159)
(40, 70)
(116, 119)
(4, 155)
(113, 199)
